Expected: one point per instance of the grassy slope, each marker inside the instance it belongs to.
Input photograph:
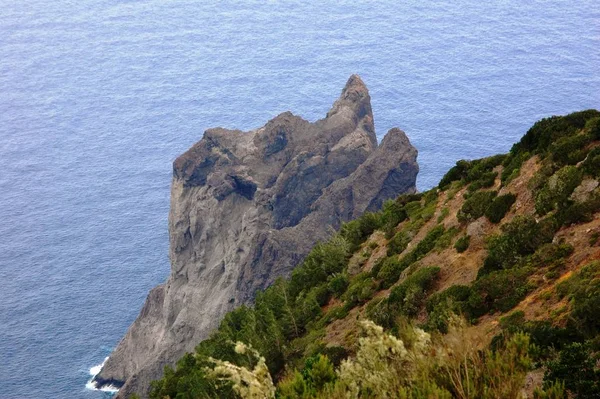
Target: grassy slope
(403, 263)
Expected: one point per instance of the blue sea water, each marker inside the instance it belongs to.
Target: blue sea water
(97, 97)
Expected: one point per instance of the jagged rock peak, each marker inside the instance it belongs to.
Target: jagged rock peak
(246, 207)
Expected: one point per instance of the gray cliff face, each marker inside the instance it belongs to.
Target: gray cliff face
(246, 207)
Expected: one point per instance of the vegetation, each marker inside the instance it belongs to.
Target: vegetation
(393, 326)
(462, 244)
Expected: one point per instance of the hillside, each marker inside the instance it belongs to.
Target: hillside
(485, 286)
(246, 208)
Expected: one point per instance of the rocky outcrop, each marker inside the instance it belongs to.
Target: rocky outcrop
(246, 207)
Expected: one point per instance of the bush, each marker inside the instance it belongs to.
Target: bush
(583, 290)
(409, 295)
(357, 231)
(457, 172)
(512, 166)
(338, 283)
(398, 243)
(475, 206)
(549, 130)
(442, 305)
(478, 172)
(462, 244)
(519, 238)
(576, 367)
(591, 165)
(361, 290)
(486, 180)
(499, 291)
(392, 267)
(557, 190)
(392, 214)
(570, 150)
(499, 206)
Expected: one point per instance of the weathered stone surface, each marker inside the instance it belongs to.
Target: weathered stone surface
(246, 207)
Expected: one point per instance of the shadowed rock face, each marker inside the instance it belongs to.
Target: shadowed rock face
(246, 207)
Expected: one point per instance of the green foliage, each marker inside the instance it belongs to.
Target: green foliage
(443, 214)
(318, 371)
(512, 166)
(546, 337)
(478, 172)
(486, 180)
(392, 214)
(583, 291)
(391, 267)
(462, 244)
(358, 230)
(556, 191)
(441, 306)
(337, 284)
(398, 243)
(499, 206)
(591, 164)
(405, 299)
(569, 150)
(576, 367)
(499, 291)
(475, 206)
(323, 261)
(549, 130)
(361, 290)
(519, 238)
(446, 239)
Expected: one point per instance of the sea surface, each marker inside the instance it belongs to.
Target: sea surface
(97, 98)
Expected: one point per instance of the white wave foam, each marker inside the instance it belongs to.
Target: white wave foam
(91, 384)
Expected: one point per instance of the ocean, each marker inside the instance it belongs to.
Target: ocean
(98, 97)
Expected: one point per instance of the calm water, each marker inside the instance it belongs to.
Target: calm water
(97, 97)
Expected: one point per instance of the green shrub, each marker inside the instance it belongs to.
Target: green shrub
(576, 367)
(392, 214)
(392, 267)
(446, 239)
(337, 284)
(499, 291)
(591, 165)
(570, 150)
(317, 372)
(324, 260)
(357, 231)
(549, 130)
(583, 291)
(473, 171)
(409, 295)
(398, 243)
(499, 206)
(556, 192)
(575, 212)
(442, 305)
(457, 172)
(593, 127)
(486, 180)
(512, 166)
(443, 214)
(360, 290)
(519, 238)
(475, 206)
(462, 244)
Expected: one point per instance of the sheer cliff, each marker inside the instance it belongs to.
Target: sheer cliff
(246, 207)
